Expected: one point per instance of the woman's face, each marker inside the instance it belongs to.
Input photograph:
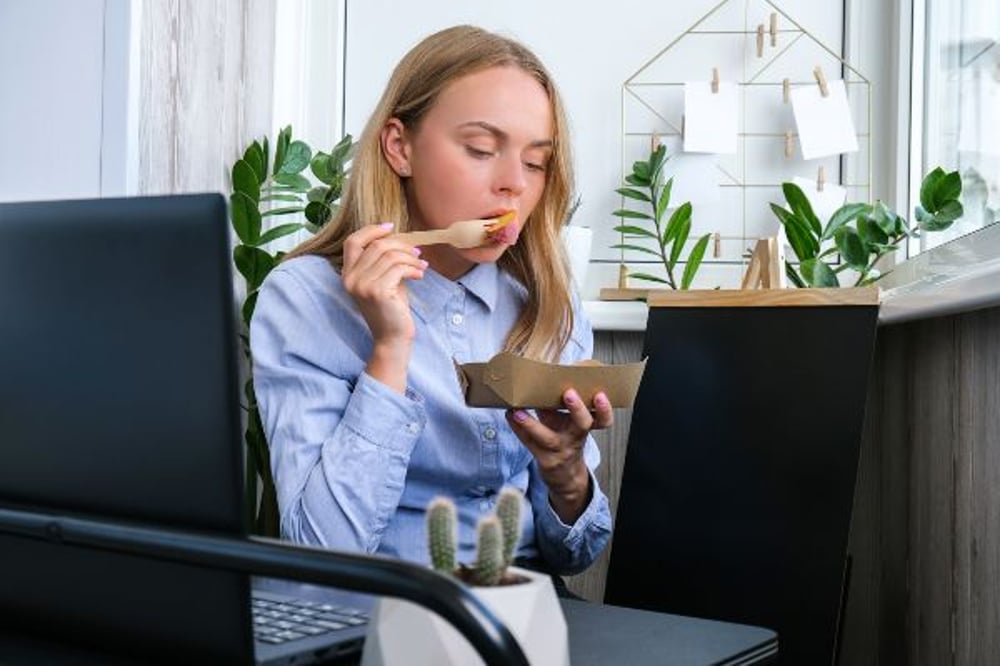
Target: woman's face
(481, 150)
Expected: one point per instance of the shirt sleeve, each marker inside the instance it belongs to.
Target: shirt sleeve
(569, 549)
(338, 472)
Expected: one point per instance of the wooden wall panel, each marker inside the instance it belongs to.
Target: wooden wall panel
(206, 80)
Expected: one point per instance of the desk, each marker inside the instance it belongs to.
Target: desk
(599, 635)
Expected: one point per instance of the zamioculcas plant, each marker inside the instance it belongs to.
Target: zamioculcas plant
(664, 241)
(497, 537)
(860, 233)
(262, 190)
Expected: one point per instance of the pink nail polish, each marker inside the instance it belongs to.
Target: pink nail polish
(416, 251)
(572, 397)
(520, 415)
(602, 400)
(387, 225)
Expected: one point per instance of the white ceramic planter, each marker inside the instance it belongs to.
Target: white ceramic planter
(402, 633)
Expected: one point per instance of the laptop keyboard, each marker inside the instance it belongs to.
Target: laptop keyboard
(291, 619)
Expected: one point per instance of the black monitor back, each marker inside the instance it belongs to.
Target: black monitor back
(119, 398)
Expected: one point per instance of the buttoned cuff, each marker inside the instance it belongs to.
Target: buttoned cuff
(384, 417)
(572, 536)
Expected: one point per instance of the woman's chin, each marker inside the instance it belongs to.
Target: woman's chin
(486, 254)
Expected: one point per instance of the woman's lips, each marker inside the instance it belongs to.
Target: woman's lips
(508, 233)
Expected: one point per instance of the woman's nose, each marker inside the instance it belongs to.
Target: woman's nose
(509, 176)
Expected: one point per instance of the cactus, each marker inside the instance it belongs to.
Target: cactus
(497, 537)
(490, 566)
(509, 513)
(441, 534)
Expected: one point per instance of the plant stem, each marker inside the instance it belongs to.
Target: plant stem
(659, 234)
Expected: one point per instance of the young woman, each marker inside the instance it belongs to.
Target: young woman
(355, 333)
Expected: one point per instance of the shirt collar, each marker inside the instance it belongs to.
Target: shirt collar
(429, 295)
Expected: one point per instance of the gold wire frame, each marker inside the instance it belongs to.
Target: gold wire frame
(746, 33)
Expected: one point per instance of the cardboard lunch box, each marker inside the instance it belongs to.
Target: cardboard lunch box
(512, 381)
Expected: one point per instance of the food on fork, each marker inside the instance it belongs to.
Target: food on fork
(502, 231)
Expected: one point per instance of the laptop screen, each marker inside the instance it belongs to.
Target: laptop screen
(119, 398)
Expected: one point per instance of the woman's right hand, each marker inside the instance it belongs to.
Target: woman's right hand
(375, 266)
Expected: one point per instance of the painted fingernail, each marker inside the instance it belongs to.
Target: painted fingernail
(423, 263)
(386, 225)
(601, 400)
(417, 251)
(572, 397)
(520, 415)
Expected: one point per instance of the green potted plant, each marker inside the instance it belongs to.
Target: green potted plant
(860, 234)
(404, 633)
(262, 190)
(663, 240)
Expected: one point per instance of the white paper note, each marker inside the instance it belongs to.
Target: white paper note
(824, 123)
(824, 203)
(711, 120)
(696, 175)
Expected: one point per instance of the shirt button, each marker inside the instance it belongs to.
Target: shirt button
(484, 505)
(411, 428)
(457, 319)
(490, 433)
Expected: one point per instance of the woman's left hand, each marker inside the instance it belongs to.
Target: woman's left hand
(556, 439)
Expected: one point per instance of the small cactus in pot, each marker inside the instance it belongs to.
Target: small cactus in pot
(496, 542)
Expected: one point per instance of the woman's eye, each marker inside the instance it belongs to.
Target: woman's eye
(476, 152)
(532, 166)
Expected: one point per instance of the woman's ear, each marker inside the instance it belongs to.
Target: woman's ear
(396, 147)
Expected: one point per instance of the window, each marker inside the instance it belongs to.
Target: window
(956, 94)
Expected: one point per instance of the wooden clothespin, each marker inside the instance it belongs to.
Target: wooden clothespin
(717, 245)
(774, 28)
(760, 40)
(682, 127)
(821, 80)
(786, 90)
(715, 79)
(789, 147)
(820, 178)
(622, 276)
(654, 142)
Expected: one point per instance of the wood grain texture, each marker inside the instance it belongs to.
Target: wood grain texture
(617, 347)
(206, 90)
(711, 298)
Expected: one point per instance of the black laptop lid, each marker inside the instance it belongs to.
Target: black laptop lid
(119, 398)
(117, 362)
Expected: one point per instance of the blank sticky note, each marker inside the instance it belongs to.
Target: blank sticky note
(824, 203)
(696, 176)
(711, 120)
(824, 123)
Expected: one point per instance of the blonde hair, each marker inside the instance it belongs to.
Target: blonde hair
(375, 192)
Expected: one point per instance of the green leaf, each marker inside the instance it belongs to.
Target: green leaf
(635, 248)
(638, 181)
(318, 214)
(817, 274)
(266, 152)
(634, 214)
(247, 310)
(680, 238)
(317, 193)
(793, 275)
(842, 216)
(656, 161)
(664, 201)
(852, 248)
(245, 180)
(641, 170)
(296, 157)
(802, 242)
(871, 232)
(947, 189)
(320, 167)
(694, 261)
(279, 231)
(800, 205)
(253, 264)
(647, 276)
(928, 188)
(294, 180)
(883, 217)
(246, 218)
(633, 194)
(635, 231)
(288, 210)
(284, 138)
(675, 223)
(941, 219)
(254, 156)
(342, 153)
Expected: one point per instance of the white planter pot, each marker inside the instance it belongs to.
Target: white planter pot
(403, 633)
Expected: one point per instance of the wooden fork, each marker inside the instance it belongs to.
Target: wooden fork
(463, 234)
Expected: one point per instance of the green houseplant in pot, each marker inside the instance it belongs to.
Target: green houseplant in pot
(262, 190)
(404, 633)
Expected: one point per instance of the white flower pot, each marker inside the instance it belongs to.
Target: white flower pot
(403, 633)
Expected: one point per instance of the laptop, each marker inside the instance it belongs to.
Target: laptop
(120, 399)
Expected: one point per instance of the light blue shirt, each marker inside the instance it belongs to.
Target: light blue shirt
(356, 463)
